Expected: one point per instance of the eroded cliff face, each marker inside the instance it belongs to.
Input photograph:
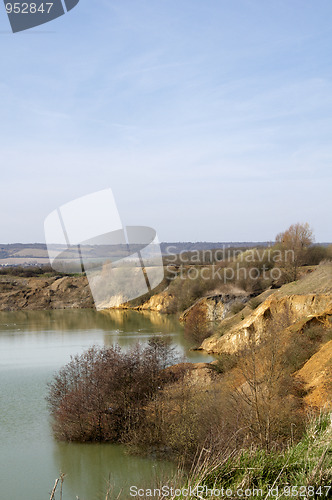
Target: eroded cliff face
(275, 314)
(317, 377)
(215, 306)
(293, 304)
(44, 293)
(159, 302)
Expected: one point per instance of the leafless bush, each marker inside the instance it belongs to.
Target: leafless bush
(100, 394)
(198, 327)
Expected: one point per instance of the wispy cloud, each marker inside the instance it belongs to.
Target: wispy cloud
(194, 112)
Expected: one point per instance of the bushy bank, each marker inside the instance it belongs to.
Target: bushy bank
(302, 470)
(101, 394)
(243, 401)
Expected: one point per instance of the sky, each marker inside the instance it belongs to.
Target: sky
(210, 120)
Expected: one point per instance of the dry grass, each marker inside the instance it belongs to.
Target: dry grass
(318, 281)
(302, 465)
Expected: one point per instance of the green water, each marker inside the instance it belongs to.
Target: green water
(33, 345)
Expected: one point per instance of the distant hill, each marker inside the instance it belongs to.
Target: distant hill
(189, 246)
(14, 254)
(30, 254)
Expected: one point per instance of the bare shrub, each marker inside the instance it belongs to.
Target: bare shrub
(267, 401)
(295, 242)
(100, 394)
(316, 254)
(198, 327)
(304, 344)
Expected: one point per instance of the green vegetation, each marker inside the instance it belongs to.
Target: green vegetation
(318, 280)
(247, 411)
(32, 272)
(241, 402)
(195, 282)
(192, 275)
(302, 470)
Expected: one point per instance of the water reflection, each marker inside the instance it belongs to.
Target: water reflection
(34, 344)
(52, 335)
(55, 320)
(143, 319)
(90, 467)
(87, 319)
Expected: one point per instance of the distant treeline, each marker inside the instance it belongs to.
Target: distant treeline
(30, 271)
(167, 248)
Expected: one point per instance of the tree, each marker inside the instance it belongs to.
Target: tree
(268, 402)
(197, 326)
(294, 243)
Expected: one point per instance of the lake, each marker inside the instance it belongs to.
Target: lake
(35, 344)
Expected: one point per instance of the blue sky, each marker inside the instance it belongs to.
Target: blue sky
(210, 120)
